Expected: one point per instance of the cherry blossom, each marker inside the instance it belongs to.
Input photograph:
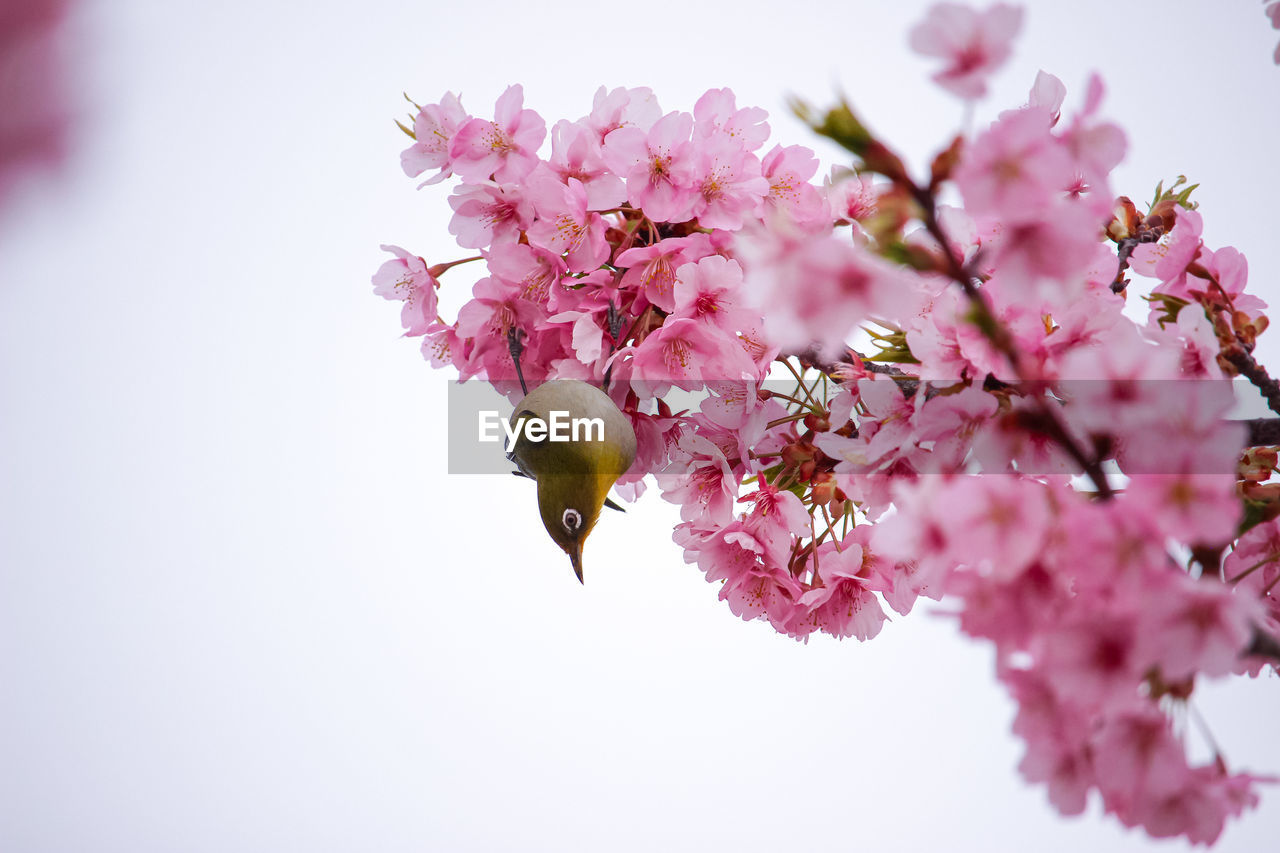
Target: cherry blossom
(972, 44)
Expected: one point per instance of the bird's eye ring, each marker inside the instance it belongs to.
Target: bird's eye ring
(572, 519)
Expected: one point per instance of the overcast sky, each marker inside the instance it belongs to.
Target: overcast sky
(242, 607)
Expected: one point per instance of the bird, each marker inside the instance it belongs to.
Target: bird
(573, 466)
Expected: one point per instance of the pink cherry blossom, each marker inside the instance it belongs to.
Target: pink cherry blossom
(653, 268)
(407, 279)
(495, 309)
(775, 517)
(1016, 169)
(564, 224)
(434, 128)
(1095, 657)
(485, 213)
(709, 290)
(1198, 508)
(504, 149)
(752, 588)
(726, 182)
(1198, 627)
(815, 288)
(851, 197)
(716, 114)
(843, 606)
(536, 272)
(1168, 259)
(575, 153)
(441, 345)
(687, 353)
(698, 478)
(649, 161)
(972, 44)
(1096, 147)
(788, 171)
(612, 109)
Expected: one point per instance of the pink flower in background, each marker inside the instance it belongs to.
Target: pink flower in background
(1198, 627)
(971, 44)
(814, 288)
(1197, 508)
(35, 109)
(1273, 12)
(1015, 170)
(504, 149)
(1047, 93)
(1096, 147)
(1095, 657)
(850, 196)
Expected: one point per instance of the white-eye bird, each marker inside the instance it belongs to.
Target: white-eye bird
(574, 475)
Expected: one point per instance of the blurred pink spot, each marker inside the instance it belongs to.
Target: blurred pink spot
(33, 88)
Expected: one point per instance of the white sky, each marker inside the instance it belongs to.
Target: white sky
(243, 608)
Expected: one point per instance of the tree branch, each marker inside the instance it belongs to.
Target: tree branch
(1263, 432)
(1263, 645)
(1242, 360)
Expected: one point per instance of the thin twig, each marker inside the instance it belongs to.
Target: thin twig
(1243, 361)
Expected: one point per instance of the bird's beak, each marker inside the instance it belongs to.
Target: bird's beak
(575, 558)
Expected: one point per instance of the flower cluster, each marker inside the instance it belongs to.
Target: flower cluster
(1006, 435)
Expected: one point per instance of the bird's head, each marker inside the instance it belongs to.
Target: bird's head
(570, 508)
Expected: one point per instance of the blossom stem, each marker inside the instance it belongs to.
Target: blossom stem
(800, 384)
(1244, 574)
(779, 395)
(989, 324)
(787, 420)
(437, 269)
(830, 529)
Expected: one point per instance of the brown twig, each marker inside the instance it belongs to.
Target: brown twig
(1263, 432)
(1263, 645)
(1243, 361)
